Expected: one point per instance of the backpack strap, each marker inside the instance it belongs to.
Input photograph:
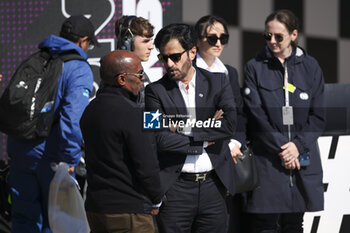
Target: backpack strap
(71, 56)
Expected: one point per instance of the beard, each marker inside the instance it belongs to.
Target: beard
(178, 74)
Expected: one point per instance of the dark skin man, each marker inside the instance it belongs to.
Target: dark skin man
(123, 68)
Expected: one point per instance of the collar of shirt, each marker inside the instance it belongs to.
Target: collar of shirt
(217, 67)
(191, 84)
(189, 97)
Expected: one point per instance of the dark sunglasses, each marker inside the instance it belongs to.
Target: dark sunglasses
(138, 75)
(212, 39)
(278, 37)
(175, 57)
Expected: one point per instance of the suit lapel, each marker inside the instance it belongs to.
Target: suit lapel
(176, 97)
(201, 94)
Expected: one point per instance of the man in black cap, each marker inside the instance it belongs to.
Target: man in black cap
(80, 30)
(31, 160)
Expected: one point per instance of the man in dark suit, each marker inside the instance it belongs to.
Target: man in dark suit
(195, 161)
(122, 169)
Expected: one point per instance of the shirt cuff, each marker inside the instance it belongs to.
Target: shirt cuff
(233, 142)
(157, 205)
(205, 144)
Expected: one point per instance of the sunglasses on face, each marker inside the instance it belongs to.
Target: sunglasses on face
(138, 75)
(175, 57)
(278, 37)
(212, 39)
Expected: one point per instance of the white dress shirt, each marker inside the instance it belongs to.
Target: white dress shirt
(193, 163)
(218, 67)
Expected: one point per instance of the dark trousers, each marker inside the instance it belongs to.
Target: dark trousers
(192, 207)
(237, 219)
(276, 223)
(120, 223)
(30, 196)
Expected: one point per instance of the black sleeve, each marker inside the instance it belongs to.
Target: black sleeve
(257, 116)
(141, 148)
(306, 138)
(240, 134)
(225, 101)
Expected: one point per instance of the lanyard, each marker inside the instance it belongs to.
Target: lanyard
(286, 95)
(286, 92)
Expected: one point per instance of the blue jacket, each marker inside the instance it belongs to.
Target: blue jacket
(281, 191)
(65, 140)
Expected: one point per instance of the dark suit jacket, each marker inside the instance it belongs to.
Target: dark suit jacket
(232, 76)
(121, 158)
(240, 134)
(213, 92)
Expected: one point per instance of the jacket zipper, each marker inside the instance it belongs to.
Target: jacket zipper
(287, 104)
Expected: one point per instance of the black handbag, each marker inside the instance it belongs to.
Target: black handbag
(247, 172)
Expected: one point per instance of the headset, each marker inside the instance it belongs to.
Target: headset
(126, 41)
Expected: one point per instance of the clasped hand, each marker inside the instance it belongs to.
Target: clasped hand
(154, 211)
(289, 156)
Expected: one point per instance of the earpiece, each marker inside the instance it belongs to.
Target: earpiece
(125, 39)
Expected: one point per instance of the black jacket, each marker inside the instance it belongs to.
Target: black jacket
(213, 92)
(264, 98)
(122, 167)
(240, 134)
(232, 77)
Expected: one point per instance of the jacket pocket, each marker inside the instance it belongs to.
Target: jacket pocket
(271, 91)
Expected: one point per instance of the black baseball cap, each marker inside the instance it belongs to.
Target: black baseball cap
(79, 25)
